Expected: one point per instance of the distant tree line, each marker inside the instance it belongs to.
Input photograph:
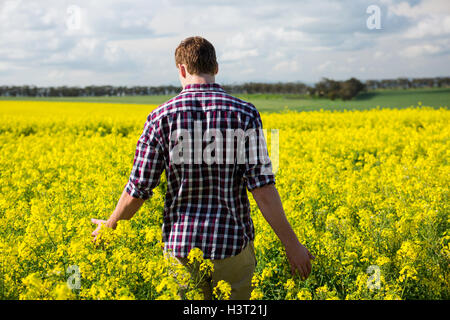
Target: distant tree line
(405, 83)
(328, 88)
(332, 89)
(259, 87)
(89, 91)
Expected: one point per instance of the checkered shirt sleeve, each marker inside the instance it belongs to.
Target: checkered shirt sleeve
(258, 169)
(148, 163)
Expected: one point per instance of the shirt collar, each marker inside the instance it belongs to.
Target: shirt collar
(202, 87)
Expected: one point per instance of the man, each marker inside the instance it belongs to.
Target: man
(206, 204)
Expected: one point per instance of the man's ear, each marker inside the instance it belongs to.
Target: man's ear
(182, 70)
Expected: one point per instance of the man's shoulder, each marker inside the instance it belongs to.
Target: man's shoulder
(184, 99)
(165, 107)
(245, 104)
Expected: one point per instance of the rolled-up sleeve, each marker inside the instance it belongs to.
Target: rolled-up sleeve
(148, 163)
(258, 171)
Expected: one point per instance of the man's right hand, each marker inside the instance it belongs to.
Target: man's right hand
(269, 203)
(99, 224)
(300, 259)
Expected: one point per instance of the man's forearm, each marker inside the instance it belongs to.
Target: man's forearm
(125, 209)
(270, 205)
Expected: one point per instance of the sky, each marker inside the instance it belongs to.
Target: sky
(112, 42)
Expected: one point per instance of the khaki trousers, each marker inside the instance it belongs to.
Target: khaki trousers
(236, 270)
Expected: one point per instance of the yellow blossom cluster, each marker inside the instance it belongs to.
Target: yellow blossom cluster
(365, 191)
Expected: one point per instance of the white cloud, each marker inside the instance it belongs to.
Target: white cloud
(287, 66)
(431, 17)
(436, 26)
(238, 54)
(131, 43)
(325, 66)
(420, 50)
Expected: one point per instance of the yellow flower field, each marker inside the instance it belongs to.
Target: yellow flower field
(366, 191)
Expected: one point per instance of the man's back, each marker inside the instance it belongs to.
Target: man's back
(212, 148)
(196, 138)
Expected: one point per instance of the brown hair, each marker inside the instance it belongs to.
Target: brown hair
(198, 54)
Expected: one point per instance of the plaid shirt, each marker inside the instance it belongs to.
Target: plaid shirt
(206, 204)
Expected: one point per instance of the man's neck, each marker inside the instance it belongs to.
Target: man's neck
(200, 79)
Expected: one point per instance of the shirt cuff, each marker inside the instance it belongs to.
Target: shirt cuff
(135, 192)
(259, 181)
